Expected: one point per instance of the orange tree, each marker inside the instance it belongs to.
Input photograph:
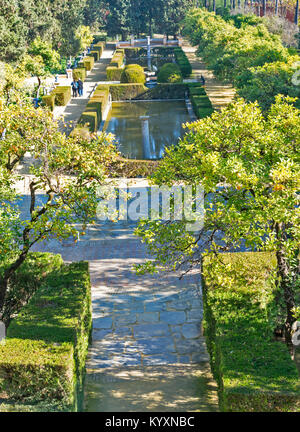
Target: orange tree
(66, 170)
(249, 167)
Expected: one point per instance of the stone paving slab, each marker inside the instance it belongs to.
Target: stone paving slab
(172, 388)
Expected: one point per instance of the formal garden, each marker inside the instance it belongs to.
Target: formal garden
(140, 311)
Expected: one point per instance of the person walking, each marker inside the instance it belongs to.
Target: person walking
(80, 87)
(202, 79)
(74, 85)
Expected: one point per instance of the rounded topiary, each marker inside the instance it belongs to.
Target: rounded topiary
(169, 73)
(133, 73)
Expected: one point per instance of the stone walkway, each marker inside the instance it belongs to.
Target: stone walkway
(148, 352)
(220, 94)
(76, 106)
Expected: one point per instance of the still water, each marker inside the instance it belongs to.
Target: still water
(164, 126)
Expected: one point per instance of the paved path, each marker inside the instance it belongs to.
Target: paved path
(147, 352)
(219, 93)
(76, 106)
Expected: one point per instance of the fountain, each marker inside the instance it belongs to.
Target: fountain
(149, 53)
(146, 137)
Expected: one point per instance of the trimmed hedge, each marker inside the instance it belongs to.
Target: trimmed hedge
(113, 73)
(124, 91)
(253, 371)
(165, 91)
(49, 100)
(133, 73)
(88, 63)
(169, 73)
(117, 59)
(201, 103)
(132, 168)
(92, 115)
(62, 95)
(42, 360)
(115, 68)
(79, 73)
(183, 62)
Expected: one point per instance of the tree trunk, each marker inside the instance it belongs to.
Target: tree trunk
(39, 86)
(8, 274)
(276, 7)
(288, 295)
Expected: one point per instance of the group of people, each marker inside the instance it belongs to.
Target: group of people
(77, 87)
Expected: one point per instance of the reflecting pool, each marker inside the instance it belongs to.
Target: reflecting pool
(144, 129)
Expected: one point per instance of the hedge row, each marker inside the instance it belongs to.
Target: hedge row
(183, 62)
(60, 96)
(124, 91)
(42, 360)
(201, 103)
(115, 68)
(253, 371)
(79, 73)
(93, 113)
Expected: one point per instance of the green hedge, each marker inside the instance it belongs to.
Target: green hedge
(117, 59)
(62, 95)
(113, 73)
(93, 113)
(169, 73)
(79, 73)
(183, 62)
(43, 357)
(165, 91)
(124, 91)
(253, 371)
(49, 100)
(133, 73)
(88, 63)
(201, 103)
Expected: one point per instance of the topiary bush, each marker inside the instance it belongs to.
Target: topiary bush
(133, 74)
(79, 73)
(169, 73)
(62, 95)
(49, 100)
(113, 73)
(88, 63)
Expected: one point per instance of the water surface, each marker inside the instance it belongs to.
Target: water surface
(165, 127)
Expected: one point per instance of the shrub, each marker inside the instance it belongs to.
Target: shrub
(133, 74)
(183, 62)
(49, 100)
(43, 357)
(88, 63)
(254, 372)
(117, 59)
(169, 73)
(113, 73)
(62, 95)
(90, 119)
(79, 73)
(124, 91)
